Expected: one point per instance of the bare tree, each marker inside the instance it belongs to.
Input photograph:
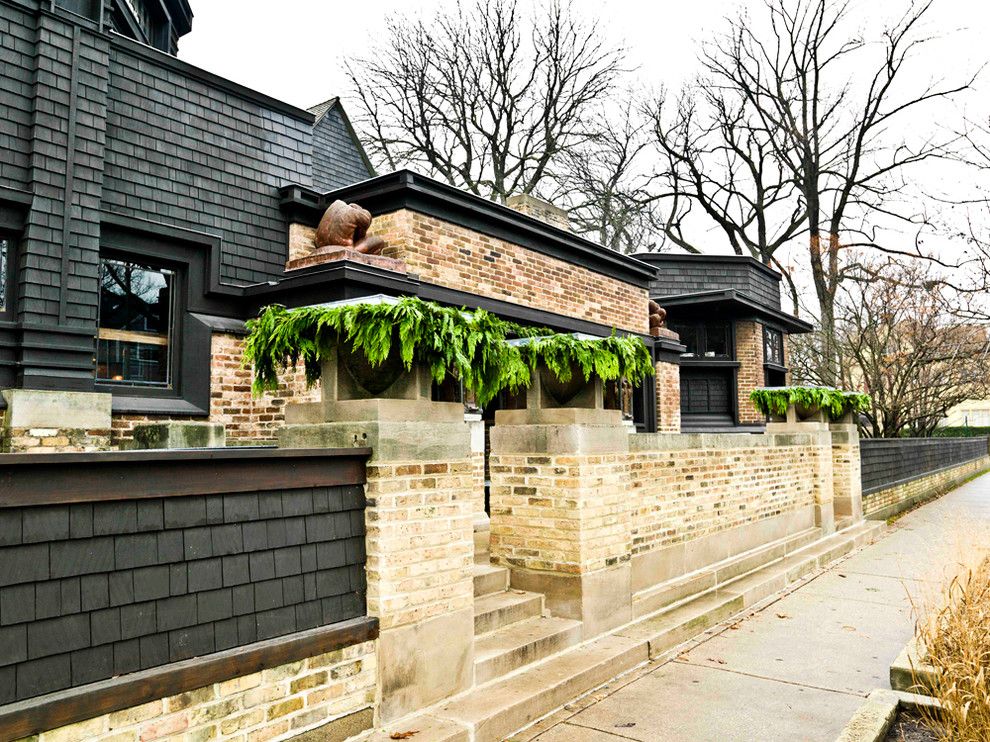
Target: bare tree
(899, 339)
(485, 99)
(782, 112)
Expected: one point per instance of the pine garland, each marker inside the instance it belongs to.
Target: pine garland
(470, 345)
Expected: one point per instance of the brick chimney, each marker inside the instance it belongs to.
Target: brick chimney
(539, 209)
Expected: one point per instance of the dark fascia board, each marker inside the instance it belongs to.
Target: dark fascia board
(208, 78)
(404, 189)
(659, 258)
(35, 715)
(739, 302)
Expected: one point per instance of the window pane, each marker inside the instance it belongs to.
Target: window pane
(689, 338)
(135, 319)
(773, 347)
(4, 277)
(717, 340)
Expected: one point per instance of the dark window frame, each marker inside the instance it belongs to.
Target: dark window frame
(701, 329)
(773, 362)
(174, 319)
(8, 310)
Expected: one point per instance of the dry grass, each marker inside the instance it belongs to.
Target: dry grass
(956, 638)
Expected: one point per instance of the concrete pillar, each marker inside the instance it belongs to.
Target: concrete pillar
(560, 506)
(419, 515)
(846, 474)
(55, 422)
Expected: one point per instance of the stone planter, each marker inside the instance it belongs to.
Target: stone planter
(873, 719)
(563, 392)
(375, 380)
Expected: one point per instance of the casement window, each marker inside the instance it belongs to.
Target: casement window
(136, 324)
(710, 340)
(773, 346)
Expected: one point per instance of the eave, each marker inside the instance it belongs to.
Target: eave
(736, 304)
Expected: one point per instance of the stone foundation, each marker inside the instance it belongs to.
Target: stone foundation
(55, 422)
(333, 692)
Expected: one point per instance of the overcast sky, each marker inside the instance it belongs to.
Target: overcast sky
(294, 49)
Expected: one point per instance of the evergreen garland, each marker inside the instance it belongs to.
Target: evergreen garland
(471, 345)
(775, 401)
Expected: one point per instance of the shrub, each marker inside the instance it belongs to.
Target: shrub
(961, 432)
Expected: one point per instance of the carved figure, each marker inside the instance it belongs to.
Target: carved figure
(346, 225)
(658, 318)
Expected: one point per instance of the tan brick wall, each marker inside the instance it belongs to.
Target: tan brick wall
(923, 488)
(420, 540)
(53, 440)
(668, 383)
(749, 353)
(456, 257)
(273, 704)
(684, 494)
(248, 420)
(563, 514)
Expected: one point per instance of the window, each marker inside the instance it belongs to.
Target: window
(135, 324)
(705, 339)
(4, 274)
(773, 346)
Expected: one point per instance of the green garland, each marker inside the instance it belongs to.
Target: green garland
(471, 346)
(775, 401)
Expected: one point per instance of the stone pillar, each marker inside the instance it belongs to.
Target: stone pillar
(419, 516)
(55, 422)
(749, 353)
(846, 474)
(560, 506)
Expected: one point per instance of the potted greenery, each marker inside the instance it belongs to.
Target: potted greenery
(376, 338)
(808, 402)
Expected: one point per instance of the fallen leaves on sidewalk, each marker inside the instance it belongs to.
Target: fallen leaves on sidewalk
(717, 660)
(403, 735)
(625, 725)
(782, 615)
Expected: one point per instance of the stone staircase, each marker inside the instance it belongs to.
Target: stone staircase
(528, 664)
(512, 627)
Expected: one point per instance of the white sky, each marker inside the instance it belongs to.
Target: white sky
(293, 49)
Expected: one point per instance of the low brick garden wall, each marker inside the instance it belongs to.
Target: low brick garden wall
(900, 473)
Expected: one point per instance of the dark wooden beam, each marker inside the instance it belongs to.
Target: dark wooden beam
(54, 710)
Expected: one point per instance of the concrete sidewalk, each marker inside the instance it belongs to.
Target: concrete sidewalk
(798, 666)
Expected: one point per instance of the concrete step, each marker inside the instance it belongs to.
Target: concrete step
(489, 579)
(522, 643)
(497, 709)
(658, 597)
(492, 612)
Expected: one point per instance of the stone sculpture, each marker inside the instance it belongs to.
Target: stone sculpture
(346, 225)
(658, 318)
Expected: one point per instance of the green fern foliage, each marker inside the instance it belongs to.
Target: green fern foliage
(472, 346)
(775, 400)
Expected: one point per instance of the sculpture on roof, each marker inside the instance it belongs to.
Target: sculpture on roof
(658, 318)
(346, 225)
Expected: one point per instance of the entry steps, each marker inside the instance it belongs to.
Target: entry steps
(528, 664)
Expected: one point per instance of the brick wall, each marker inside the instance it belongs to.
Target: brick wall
(892, 500)
(248, 420)
(453, 256)
(668, 382)
(420, 540)
(749, 353)
(684, 491)
(273, 704)
(562, 514)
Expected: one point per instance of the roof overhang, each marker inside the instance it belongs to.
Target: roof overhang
(738, 305)
(404, 189)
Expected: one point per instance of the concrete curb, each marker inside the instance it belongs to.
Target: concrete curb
(874, 718)
(909, 672)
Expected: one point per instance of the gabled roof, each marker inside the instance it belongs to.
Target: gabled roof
(322, 109)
